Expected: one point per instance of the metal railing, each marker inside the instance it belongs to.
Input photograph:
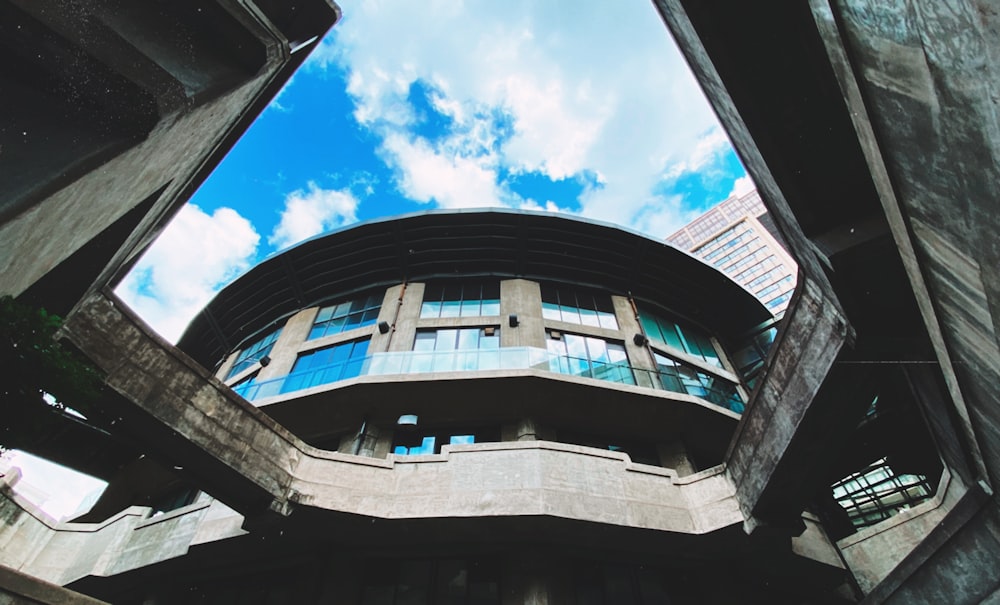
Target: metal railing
(686, 380)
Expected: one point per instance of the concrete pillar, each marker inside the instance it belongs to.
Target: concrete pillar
(286, 349)
(524, 298)
(227, 364)
(673, 455)
(405, 330)
(527, 430)
(391, 303)
(638, 355)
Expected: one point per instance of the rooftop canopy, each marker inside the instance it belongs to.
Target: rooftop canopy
(442, 244)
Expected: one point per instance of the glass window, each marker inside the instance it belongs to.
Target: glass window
(414, 442)
(749, 358)
(457, 339)
(579, 307)
(692, 341)
(245, 388)
(346, 315)
(253, 353)
(329, 364)
(456, 349)
(878, 492)
(477, 299)
(588, 356)
(680, 378)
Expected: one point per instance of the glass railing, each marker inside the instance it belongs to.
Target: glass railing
(714, 390)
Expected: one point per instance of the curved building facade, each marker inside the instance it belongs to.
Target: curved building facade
(472, 327)
(496, 407)
(490, 407)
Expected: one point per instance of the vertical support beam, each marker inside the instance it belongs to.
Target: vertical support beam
(813, 332)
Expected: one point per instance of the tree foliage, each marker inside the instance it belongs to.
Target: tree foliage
(35, 363)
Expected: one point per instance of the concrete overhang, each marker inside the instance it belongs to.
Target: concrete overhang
(582, 405)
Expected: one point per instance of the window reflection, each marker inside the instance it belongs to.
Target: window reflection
(253, 353)
(679, 378)
(588, 356)
(878, 492)
(329, 364)
(461, 300)
(456, 349)
(415, 442)
(346, 315)
(560, 303)
(692, 341)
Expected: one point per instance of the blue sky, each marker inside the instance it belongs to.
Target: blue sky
(562, 106)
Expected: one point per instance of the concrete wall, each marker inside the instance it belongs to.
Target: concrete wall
(37, 545)
(873, 552)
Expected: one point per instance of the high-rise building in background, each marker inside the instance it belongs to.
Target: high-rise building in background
(739, 238)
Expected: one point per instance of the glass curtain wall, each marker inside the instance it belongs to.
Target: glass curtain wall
(480, 299)
(456, 349)
(329, 364)
(346, 315)
(578, 307)
(588, 356)
(253, 353)
(666, 332)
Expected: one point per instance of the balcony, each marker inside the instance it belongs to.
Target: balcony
(678, 379)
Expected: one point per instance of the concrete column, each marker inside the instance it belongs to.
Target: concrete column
(391, 303)
(526, 430)
(524, 298)
(227, 364)
(286, 349)
(638, 355)
(405, 329)
(674, 455)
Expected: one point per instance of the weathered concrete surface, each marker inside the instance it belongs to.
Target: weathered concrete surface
(873, 552)
(21, 589)
(35, 544)
(927, 77)
(256, 462)
(193, 420)
(864, 112)
(808, 342)
(200, 102)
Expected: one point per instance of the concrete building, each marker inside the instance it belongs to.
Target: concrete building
(862, 467)
(443, 393)
(738, 238)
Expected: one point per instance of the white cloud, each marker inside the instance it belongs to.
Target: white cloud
(193, 258)
(548, 206)
(742, 186)
(580, 93)
(451, 180)
(708, 148)
(312, 211)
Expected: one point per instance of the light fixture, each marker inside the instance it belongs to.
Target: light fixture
(265, 361)
(383, 327)
(640, 339)
(513, 320)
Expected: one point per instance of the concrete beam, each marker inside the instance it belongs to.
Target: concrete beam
(808, 343)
